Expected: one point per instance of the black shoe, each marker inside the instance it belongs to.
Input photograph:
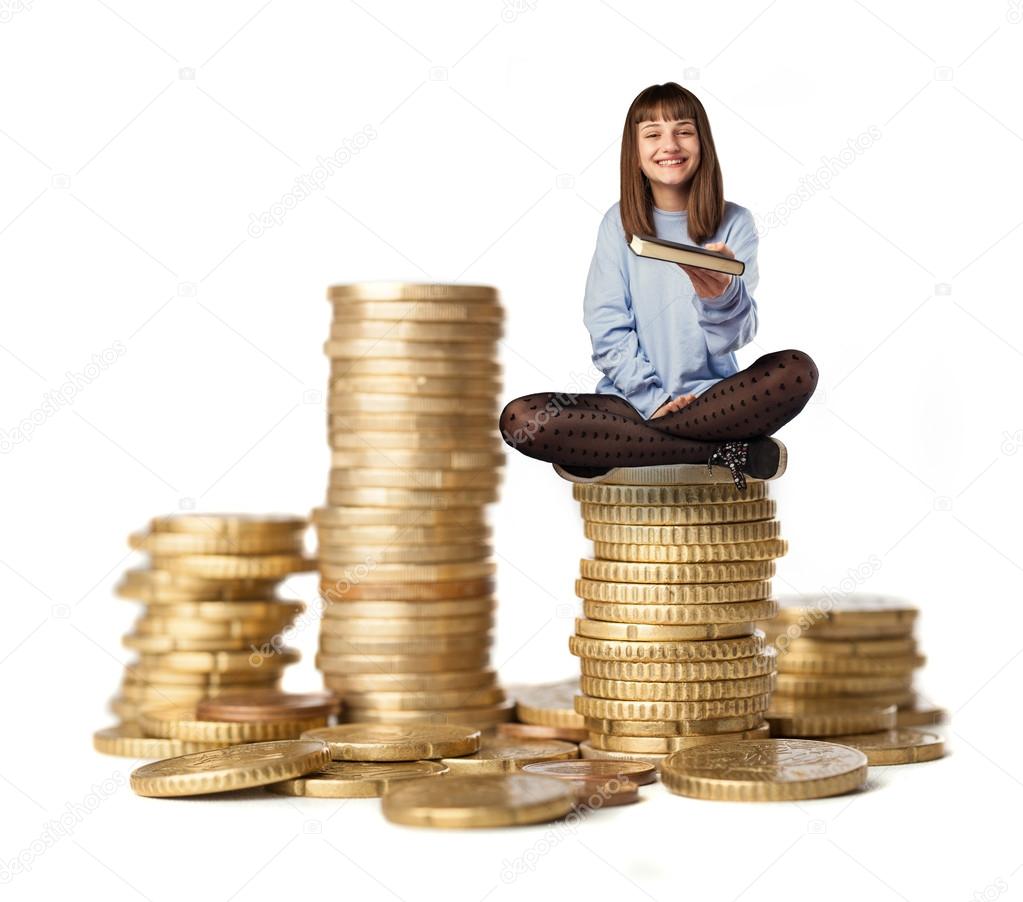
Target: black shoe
(761, 458)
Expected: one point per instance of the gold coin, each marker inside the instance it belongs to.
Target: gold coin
(420, 480)
(410, 682)
(381, 496)
(400, 699)
(423, 292)
(865, 720)
(896, 746)
(833, 704)
(707, 650)
(159, 695)
(739, 612)
(765, 770)
(664, 745)
(166, 644)
(418, 311)
(361, 627)
(708, 572)
(849, 665)
(372, 555)
(417, 405)
(593, 771)
(676, 495)
(221, 662)
(379, 539)
(481, 717)
(826, 631)
(633, 690)
(768, 549)
(356, 779)
(231, 566)
(714, 726)
(648, 632)
(420, 386)
(418, 460)
(854, 608)
(223, 769)
(393, 742)
(411, 573)
(165, 676)
(213, 524)
(438, 438)
(129, 741)
(548, 704)
(484, 800)
(389, 518)
(657, 475)
(354, 589)
(828, 686)
(344, 665)
(588, 751)
(181, 722)
(865, 648)
(362, 346)
(669, 514)
(185, 628)
(918, 714)
(607, 708)
(693, 671)
(646, 593)
(436, 645)
(539, 731)
(218, 611)
(172, 543)
(409, 610)
(158, 586)
(499, 755)
(482, 369)
(476, 333)
(713, 534)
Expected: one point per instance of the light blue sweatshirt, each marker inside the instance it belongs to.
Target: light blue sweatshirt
(653, 337)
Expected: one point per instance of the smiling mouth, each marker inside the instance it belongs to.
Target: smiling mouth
(667, 164)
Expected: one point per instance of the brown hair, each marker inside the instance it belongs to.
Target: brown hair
(670, 102)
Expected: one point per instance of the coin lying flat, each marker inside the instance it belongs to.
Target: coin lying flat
(236, 767)
(763, 770)
(865, 720)
(261, 706)
(129, 741)
(498, 755)
(356, 779)
(919, 714)
(666, 744)
(182, 722)
(492, 800)
(540, 731)
(898, 746)
(394, 742)
(548, 704)
(637, 772)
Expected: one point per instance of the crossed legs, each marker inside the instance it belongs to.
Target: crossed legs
(600, 431)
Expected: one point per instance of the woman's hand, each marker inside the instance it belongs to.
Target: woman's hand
(672, 405)
(707, 283)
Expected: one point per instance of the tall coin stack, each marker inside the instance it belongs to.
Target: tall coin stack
(670, 656)
(845, 665)
(407, 576)
(211, 621)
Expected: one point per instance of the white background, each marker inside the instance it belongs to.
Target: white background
(138, 139)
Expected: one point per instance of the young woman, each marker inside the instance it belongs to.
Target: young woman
(664, 334)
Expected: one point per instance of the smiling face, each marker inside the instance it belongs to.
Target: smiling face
(669, 154)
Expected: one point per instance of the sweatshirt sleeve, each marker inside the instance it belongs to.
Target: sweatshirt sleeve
(608, 315)
(730, 321)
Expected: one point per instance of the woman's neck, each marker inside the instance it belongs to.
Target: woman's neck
(670, 199)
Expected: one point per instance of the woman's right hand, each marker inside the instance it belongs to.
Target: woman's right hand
(672, 404)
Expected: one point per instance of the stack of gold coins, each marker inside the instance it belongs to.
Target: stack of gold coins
(211, 621)
(670, 656)
(846, 664)
(404, 546)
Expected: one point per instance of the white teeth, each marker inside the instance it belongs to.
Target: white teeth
(670, 162)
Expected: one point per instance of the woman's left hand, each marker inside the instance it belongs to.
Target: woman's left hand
(706, 282)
